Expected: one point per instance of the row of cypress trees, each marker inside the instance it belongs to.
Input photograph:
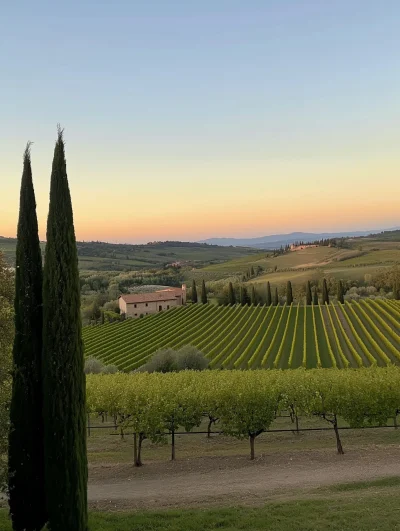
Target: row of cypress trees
(47, 440)
(203, 296)
(311, 295)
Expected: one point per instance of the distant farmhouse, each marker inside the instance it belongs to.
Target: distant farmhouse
(295, 247)
(134, 305)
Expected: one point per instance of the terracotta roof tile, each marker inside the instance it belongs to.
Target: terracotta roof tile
(164, 295)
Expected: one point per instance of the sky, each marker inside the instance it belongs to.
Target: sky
(186, 120)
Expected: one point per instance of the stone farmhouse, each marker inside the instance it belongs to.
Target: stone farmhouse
(136, 304)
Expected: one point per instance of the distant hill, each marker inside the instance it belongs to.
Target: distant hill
(276, 240)
(101, 256)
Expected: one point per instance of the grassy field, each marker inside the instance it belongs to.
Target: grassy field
(365, 506)
(99, 256)
(241, 337)
(308, 264)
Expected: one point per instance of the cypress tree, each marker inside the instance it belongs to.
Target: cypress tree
(340, 295)
(244, 298)
(194, 292)
(315, 296)
(252, 271)
(203, 293)
(253, 299)
(308, 294)
(26, 454)
(231, 295)
(325, 293)
(64, 397)
(276, 298)
(289, 293)
(269, 296)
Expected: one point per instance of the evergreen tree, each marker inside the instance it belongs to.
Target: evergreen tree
(276, 298)
(289, 293)
(308, 294)
(269, 296)
(203, 293)
(315, 296)
(64, 393)
(244, 298)
(26, 453)
(194, 292)
(340, 294)
(231, 295)
(252, 271)
(253, 295)
(325, 293)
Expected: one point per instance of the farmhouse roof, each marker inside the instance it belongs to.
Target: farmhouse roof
(162, 295)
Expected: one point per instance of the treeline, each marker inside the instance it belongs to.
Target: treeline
(250, 294)
(244, 402)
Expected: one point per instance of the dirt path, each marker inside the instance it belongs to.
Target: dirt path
(216, 481)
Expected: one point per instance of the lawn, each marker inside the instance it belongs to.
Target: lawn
(358, 507)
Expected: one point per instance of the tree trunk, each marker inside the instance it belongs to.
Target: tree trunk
(139, 452)
(338, 442)
(395, 422)
(135, 450)
(173, 444)
(252, 438)
(210, 421)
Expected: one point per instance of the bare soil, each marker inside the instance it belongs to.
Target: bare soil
(210, 481)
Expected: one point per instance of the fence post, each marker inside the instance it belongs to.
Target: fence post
(88, 424)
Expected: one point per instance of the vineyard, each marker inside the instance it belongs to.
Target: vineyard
(356, 334)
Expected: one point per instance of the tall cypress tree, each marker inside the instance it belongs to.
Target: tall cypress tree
(289, 293)
(244, 298)
(194, 292)
(269, 296)
(315, 296)
(26, 454)
(325, 293)
(308, 294)
(253, 299)
(203, 293)
(63, 376)
(276, 298)
(340, 294)
(231, 295)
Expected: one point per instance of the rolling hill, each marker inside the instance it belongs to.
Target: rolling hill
(251, 337)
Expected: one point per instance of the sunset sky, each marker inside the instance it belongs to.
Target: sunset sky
(187, 120)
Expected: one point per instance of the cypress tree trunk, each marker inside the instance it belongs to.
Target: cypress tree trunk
(203, 293)
(276, 298)
(289, 293)
(340, 292)
(325, 293)
(26, 454)
(253, 295)
(315, 297)
(308, 294)
(231, 295)
(194, 292)
(63, 375)
(269, 297)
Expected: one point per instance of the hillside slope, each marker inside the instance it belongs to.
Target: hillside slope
(241, 337)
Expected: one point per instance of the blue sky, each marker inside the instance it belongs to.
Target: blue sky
(189, 106)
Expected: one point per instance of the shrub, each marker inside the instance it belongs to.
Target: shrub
(93, 366)
(169, 360)
(110, 369)
(190, 358)
(162, 361)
